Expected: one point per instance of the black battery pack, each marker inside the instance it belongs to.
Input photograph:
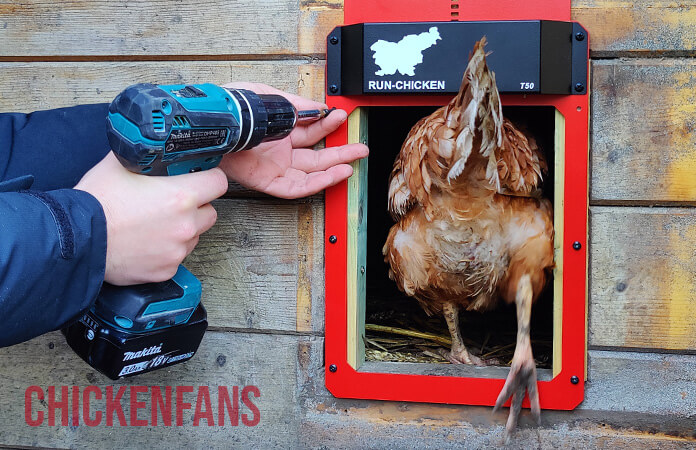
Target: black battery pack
(136, 329)
(117, 353)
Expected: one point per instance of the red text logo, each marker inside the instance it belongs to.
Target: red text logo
(145, 405)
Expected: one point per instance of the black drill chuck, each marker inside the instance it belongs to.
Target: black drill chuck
(273, 117)
(265, 117)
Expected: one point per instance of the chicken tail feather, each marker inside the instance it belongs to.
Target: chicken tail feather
(476, 116)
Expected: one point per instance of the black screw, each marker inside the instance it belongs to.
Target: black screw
(333, 88)
(577, 245)
(574, 379)
(334, 40)
(333, 238)
(333, 368)
(579, 87)
(578, 36)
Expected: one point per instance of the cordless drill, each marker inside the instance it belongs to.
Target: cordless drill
(171, 130)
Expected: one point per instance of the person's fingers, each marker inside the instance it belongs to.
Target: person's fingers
(306, 136)
(206, 217)
(205, 186)
(296, 184)
(315, 160)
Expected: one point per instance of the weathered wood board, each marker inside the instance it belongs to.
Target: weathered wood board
(278, 365)
(32, 28)
(619, 28)
(57, 84)
(643, 277)
(261, 262)
(644, 131)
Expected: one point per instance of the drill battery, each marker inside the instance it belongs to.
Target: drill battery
(136, 329)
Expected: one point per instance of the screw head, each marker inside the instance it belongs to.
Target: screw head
(333, 40)
(577, 245)
(580, 36)
(333, 88)
(333, 238)
(333, 368)
(574, 379)
(579, 87)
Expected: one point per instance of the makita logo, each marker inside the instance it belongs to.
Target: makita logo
(155, 349)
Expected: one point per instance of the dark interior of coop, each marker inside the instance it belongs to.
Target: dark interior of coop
(490, 335)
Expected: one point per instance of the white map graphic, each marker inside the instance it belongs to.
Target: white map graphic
(404, 55)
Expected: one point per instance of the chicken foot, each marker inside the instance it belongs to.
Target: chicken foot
(522, 376)
(458, 354)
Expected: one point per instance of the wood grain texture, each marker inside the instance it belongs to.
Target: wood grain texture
(305, 266)
(559, 227)
(620, 27)
(317, 19)
(643, 131)
(279, 365)
(356, 242)
(52, 85)
(91, 27)
(643, 282)
(249, 265)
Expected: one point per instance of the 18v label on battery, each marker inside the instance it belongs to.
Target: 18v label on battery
(184, 140)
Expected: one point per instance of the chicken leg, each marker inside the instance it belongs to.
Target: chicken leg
(458, 353)
(522, 376)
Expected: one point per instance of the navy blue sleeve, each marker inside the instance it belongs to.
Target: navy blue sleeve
(52, 258)
(52, 238)
(56, 146)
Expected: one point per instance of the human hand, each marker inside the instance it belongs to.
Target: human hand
(289, 168)
(152, 223)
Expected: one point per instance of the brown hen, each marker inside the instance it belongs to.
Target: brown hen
(472, 227)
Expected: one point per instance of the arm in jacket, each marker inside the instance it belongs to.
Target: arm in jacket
(52, 237)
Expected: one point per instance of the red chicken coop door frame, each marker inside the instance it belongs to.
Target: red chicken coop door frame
(564, 388)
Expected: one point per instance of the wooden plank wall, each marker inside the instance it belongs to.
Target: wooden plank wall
(262, 265)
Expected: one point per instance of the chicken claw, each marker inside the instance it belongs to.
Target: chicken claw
(462, 356)
(459, 354)
(522, 378)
